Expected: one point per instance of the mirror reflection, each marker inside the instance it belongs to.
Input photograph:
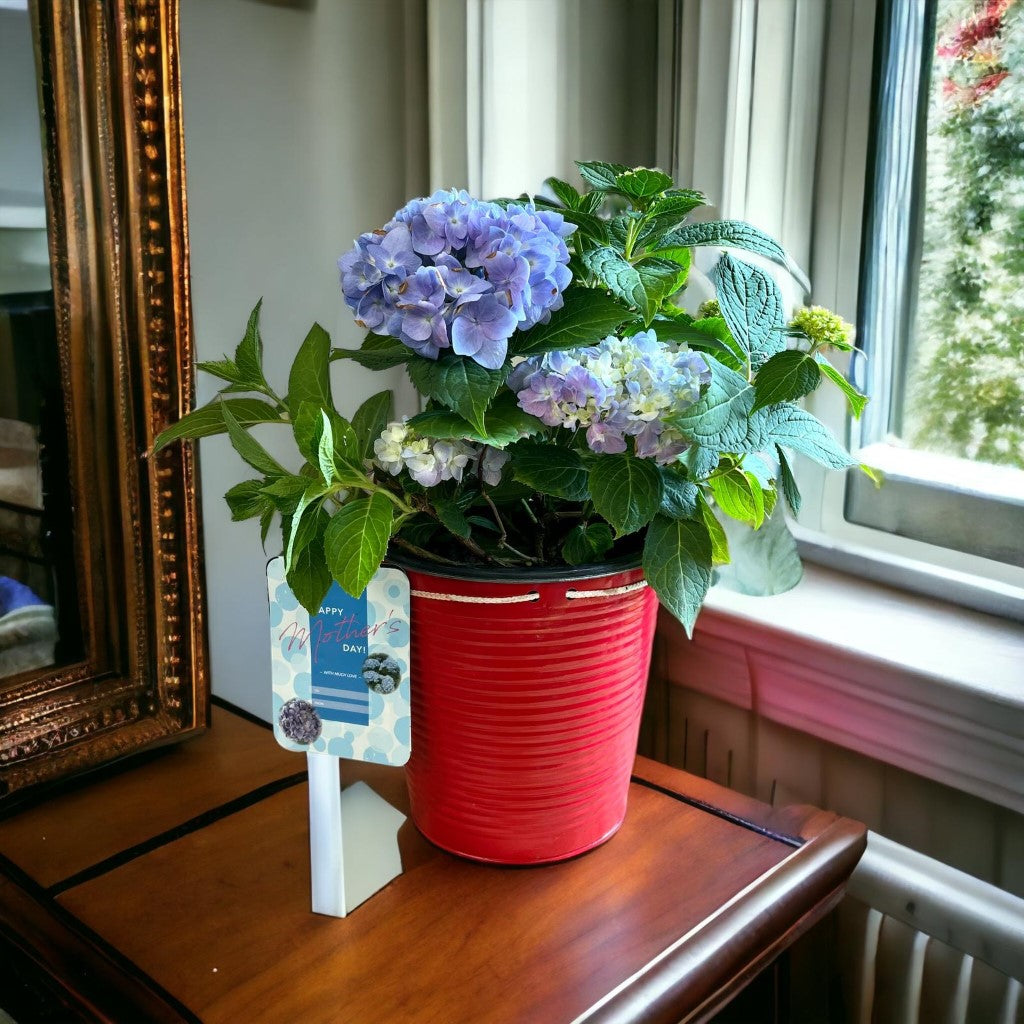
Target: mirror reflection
(39, 623)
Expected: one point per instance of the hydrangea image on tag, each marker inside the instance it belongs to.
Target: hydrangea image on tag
(341, 676)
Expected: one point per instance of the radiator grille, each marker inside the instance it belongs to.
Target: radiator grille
(922, 943)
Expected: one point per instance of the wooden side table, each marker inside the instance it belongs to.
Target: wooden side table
(179, 890)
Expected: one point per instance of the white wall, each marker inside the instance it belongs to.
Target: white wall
(295, 141)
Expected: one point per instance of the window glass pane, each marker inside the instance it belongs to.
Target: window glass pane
(965, 395)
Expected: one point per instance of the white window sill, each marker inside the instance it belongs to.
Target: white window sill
(912, 681)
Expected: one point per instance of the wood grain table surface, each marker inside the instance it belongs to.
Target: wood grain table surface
(179, 890)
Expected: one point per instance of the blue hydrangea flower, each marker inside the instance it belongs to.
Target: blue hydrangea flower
(450, 271)
(430, 461)
(622, 387)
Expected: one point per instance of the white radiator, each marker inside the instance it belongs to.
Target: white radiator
(922, 943)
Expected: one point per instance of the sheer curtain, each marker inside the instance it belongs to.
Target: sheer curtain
(518, 89)
(748, 104)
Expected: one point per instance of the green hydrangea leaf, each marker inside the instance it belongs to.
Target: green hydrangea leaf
(285, 492)
(735, 234)
(620, 277)
(626, 491)
(587, 315)
(677, 564)
(739, 496)
(356, 540)
(452, 517)
(700, 462)
(370, 419)
(225, 369)
(565, 193)
(307, 522)
(660, 279)
(678, 496)
(587, 542)
(788, 375)
(249, 448)
(856, 400)
(642, 183)
(600, 175)
(789, 487)
(249, 354)
(763, 562)
(711, 335)
(309, 379)
(588, 226)
(209, 419)
(504, 422)
(556, 471)
(247, 500)
(307, 426)
(308, 575)
(458, 383)
(752, 306)
(325, 449)
(719, 421)
(795, 428)
(376, 353)
(667, 213)
(719, 540)
(326, 440)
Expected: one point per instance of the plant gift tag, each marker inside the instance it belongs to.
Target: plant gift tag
(341, 676)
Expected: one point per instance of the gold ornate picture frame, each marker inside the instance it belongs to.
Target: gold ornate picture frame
(114, 166)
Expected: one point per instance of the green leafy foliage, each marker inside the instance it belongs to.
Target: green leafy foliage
(789, 486)
(719, 541)
(735, 234)
(626, 491)
(249, 448)
(721, 419)
(209, 419)
(452, 517)
(556, 471)
(763, 563)
(739, 496)
(793, 427)
(587, 543)
(247, 500)
(460, 384)
(786, 376)
(678, 496)
(856, 400)
(370, 419)
(751, 304)
(309, 379)
(667, 213)
(585, 316)
(599, 175)
(518, 491)
(376, 353)
(504, 422)
(356, 540)
(677, 564)
(709, 335)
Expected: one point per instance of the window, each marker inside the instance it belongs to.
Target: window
(940, 267)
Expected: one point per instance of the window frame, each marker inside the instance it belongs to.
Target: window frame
(878, 546)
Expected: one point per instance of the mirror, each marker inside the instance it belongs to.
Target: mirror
(39, 622)
(93, 533)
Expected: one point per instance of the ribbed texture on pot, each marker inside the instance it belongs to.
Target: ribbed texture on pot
(525, 716)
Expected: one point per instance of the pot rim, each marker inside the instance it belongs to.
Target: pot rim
(513, 575)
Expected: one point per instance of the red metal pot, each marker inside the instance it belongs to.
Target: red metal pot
(527, 689)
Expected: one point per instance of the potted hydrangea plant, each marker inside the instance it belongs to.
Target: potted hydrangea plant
(586, 449)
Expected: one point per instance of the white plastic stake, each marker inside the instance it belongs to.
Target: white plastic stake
(326, 859)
